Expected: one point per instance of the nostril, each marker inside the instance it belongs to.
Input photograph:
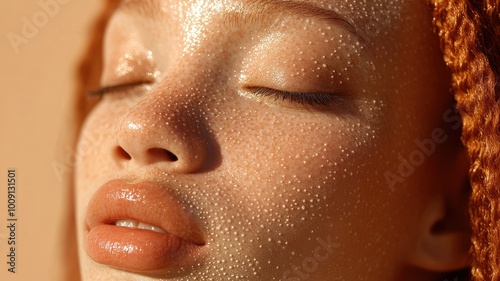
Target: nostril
(122, 153)
(172, 156)
(163, 153)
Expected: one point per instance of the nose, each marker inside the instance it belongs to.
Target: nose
(162, 131)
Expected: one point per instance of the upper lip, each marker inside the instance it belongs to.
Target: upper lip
(145, 202)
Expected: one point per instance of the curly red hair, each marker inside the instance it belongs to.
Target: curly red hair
(470, 40)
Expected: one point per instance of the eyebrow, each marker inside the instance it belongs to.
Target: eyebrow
(258, 11)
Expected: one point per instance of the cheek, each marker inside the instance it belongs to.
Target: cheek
(90, 157)
(96, 137)
(295, 165)
(305, 178)
(93, 162)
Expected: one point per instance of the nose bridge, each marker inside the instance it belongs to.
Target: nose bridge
(165, 128)
(207, 46)
(160, 112)
(204, 23)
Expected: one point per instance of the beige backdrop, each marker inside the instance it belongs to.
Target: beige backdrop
(40, 45)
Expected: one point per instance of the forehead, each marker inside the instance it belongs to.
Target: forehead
(387, 27)
(353, 15)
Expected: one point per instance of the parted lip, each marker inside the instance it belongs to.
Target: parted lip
(145, 202)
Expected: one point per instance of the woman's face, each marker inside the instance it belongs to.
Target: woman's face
(265, 140)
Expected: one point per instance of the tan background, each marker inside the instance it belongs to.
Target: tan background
(37, 84)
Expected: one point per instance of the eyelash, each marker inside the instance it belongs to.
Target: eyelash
(292, 97)
(115, 88)
(317, 99)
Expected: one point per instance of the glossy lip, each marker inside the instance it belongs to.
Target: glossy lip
(140, 250)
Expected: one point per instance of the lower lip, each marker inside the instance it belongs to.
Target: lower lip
(138, 250)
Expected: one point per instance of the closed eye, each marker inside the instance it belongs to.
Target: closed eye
(312, 99)
(115, 88)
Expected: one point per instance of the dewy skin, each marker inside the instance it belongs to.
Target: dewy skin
(250, 134)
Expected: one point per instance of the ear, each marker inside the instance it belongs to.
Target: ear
(444, 234)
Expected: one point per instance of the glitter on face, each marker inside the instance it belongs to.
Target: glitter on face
(270, 178)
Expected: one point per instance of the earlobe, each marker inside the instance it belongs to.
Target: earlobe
(444, 239)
